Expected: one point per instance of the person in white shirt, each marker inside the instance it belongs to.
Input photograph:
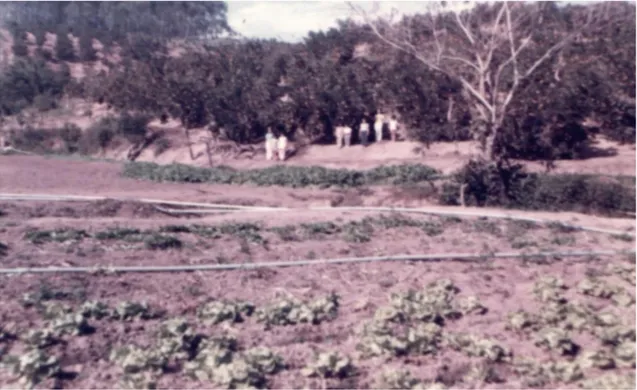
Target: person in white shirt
(338, 133)
(364, 132)
(282, 146)
(270, 144)
(393, 128)
(347, 135)
(380, 117)
(378, 129)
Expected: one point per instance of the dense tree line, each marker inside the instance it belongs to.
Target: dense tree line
(345, 75)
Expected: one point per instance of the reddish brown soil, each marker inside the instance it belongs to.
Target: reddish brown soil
(503, 285)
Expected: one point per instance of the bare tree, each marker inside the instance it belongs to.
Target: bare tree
(490, 50)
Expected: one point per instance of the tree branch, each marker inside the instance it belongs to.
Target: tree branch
(509, 60)
(463, 61)
(514, 61)
(464, 28)
(514, 54)
(476, 94)
(494, 34)
(439, 49)
(411, 49)
(563, 42)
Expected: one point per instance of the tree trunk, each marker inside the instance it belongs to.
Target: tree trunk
(488, 140)
(462, 192)
(209, 151)
(192, 155)
(489, 147)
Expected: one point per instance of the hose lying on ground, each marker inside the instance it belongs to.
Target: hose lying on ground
(10, 149)
(79, 198)
(209, 208)
(295, 263)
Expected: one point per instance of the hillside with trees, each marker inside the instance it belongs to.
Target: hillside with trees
(532, 81)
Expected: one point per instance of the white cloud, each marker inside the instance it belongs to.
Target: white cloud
(292, 20)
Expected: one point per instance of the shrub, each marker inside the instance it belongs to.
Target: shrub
(71, 134)
(286, 176)
(4, 248)
(102, 133)
(160, 242)
(490, 184)
(64, 47)
(58, 235)
(46, 54)
(43, 140)
(87, 53)
(133, 127)
(20, 48)
(40, 36)
(40, 140)
(98, 136)
(45, 102)
(26, 79)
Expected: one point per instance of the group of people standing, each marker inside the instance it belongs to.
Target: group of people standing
(274, 143)
(276, 146)
(343, 134)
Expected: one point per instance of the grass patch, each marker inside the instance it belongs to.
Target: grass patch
(563, 240)
(57, 235)
(318, 229)
(523, 244)
(286, 233)
(247, 231)
(358, 232)
(623, 237)
(161, 242)
(126, 234)
(285, 176)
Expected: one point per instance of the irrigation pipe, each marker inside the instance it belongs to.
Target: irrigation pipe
(79, 198)
(296, 263)
(177, 213)
(12, 149)
(214, 208)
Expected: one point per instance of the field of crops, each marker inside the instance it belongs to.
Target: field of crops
(535, 322)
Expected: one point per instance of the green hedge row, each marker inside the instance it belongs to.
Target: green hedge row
(283, 175)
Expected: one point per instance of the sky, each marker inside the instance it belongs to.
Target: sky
(292, 20)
